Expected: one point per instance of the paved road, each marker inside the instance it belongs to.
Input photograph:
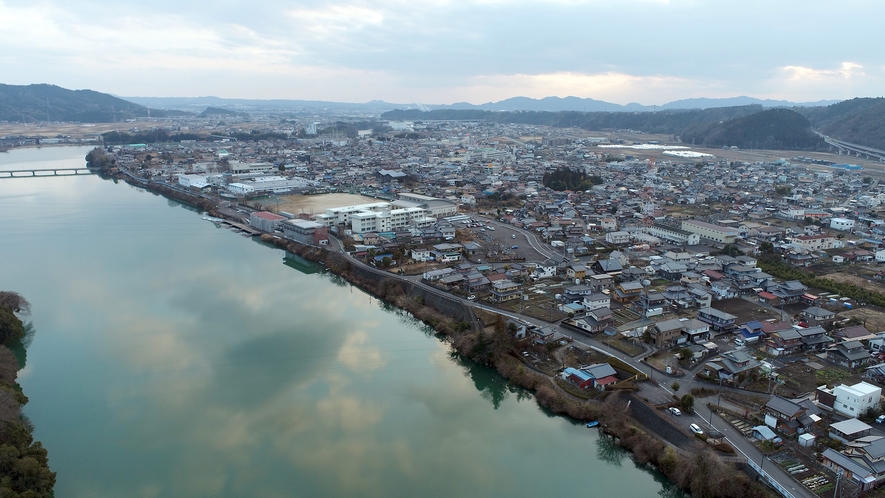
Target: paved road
(746, 448)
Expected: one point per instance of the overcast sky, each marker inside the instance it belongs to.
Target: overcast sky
(445, 51)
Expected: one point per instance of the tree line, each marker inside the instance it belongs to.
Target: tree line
(569, 179)
(24, 465)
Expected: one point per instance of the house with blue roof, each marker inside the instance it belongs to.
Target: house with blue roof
(752, 331)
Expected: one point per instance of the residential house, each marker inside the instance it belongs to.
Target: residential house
(421, 255)
(596, 300)
(815, 315)
(596, 320)
(849, 430)
(863, 463)
(574, 293)
(814, 338)
(577, 377)
(627, 292)
(783, 415)
(849, 354)
(602, 375)
(731, 364)
(815, 242)
(852, 401)
(751, 331)
(790, 292)
(784, 342)
(577, 272)
(696, 331)
(857, 333)
(719, 321)
(505, 290)
(610, 266)
(545, 269)
(600, 281)
(667, 333)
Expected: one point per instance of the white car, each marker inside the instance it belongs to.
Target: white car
(471, 297)
(694, 428)
(675, 411)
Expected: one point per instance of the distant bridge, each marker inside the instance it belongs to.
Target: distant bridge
(31, 173)
(849, 148)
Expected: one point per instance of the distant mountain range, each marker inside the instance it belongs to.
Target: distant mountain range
(549, 104)
(53, 103)
(727, 121)
(555, 104)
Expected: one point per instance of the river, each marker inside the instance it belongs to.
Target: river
(175, 358)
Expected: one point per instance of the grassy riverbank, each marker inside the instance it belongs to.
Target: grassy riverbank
(24, 465)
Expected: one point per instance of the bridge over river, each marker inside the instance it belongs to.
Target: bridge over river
(31, 173)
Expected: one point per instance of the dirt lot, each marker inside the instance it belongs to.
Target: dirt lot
(744, 310)
(866, 283)
(53, 129)
(803, 377)
(313, 204)
(872, 317)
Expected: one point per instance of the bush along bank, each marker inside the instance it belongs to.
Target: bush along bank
(24, 464)
(702, 473)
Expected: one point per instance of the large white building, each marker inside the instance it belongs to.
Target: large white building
(268, 184)
(716, 233)
(674, 235)
(390, 220)
(438, 208)
(376, 217)
(238, 168)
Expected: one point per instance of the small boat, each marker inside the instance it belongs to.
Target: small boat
(592, 423)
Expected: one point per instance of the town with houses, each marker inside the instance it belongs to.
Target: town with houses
(705, 266)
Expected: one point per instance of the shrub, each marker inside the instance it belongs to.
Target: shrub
(724, 448)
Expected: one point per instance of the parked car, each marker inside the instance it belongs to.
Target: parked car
(513, 236)
(471, 297)
(696, 429)
(675, 411)
(880, 419)
(515, 247)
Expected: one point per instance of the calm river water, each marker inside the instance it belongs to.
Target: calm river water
(174, 358)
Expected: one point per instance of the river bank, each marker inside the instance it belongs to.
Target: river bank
(24, 463)
(701, 473)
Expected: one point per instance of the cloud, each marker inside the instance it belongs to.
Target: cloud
(439, 51)
(846, 70)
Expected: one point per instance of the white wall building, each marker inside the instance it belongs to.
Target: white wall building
(196, 181)
(238, 168)
(618, 238)
(842, 224)
(376, 217)
(710, 231)
(240, 188)
(855, 400)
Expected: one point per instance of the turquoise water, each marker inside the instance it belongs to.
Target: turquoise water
(174, 358)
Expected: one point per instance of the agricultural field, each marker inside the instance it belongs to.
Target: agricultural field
(866, 283)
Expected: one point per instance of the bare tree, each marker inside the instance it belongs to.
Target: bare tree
(15, 302)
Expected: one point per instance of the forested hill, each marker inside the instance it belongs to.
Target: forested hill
(744, 126)
(668, 122)
(32, 103)
(771, 129)
(860, 121)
